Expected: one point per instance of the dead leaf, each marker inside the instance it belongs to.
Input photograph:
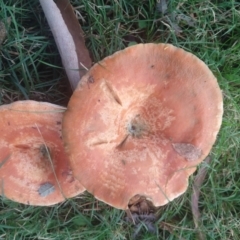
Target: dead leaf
(186, 19)
(69, 38)
(162, 6)
(198, 181)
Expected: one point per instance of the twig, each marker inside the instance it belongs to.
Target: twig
(198, 181)
(69, 38)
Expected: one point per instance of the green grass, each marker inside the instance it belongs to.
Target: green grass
(30, 68)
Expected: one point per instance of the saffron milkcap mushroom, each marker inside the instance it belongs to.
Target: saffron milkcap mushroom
(139, 123)
(34, 168)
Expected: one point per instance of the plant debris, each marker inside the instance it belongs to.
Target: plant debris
(146, 220)
(141, 213)
(3, 29)
(173, 19)
(162, 6)
(198, 181)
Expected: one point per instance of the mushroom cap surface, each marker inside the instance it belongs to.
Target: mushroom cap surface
(34, 168)
(139, 123)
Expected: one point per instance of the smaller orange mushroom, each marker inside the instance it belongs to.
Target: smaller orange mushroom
(34, 168)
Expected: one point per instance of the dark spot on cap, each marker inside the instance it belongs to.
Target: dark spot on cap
(123, 162)
(133, 127)
(167, 76)
(46, 189)
(188, 151)
(45, 151)
(58, 122)
(90, 79)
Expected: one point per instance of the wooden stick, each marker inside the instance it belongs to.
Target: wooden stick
(197, 183)
(69, 38)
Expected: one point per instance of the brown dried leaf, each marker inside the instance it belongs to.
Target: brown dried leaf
(69, 38)
(198, 181)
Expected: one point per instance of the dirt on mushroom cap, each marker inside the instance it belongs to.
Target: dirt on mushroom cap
(34, 168)
(147, 118)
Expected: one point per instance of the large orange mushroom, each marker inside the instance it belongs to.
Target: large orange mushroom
(139, 123)
(34, 168)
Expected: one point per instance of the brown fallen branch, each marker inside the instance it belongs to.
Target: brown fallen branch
(69, 38)
(198, 181)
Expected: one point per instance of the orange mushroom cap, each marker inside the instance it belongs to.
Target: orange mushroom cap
(34, 168)
(140, 121)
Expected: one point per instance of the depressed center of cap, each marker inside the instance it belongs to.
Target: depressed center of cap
(136, 127)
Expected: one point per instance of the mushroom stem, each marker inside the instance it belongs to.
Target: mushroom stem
(69, 38)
